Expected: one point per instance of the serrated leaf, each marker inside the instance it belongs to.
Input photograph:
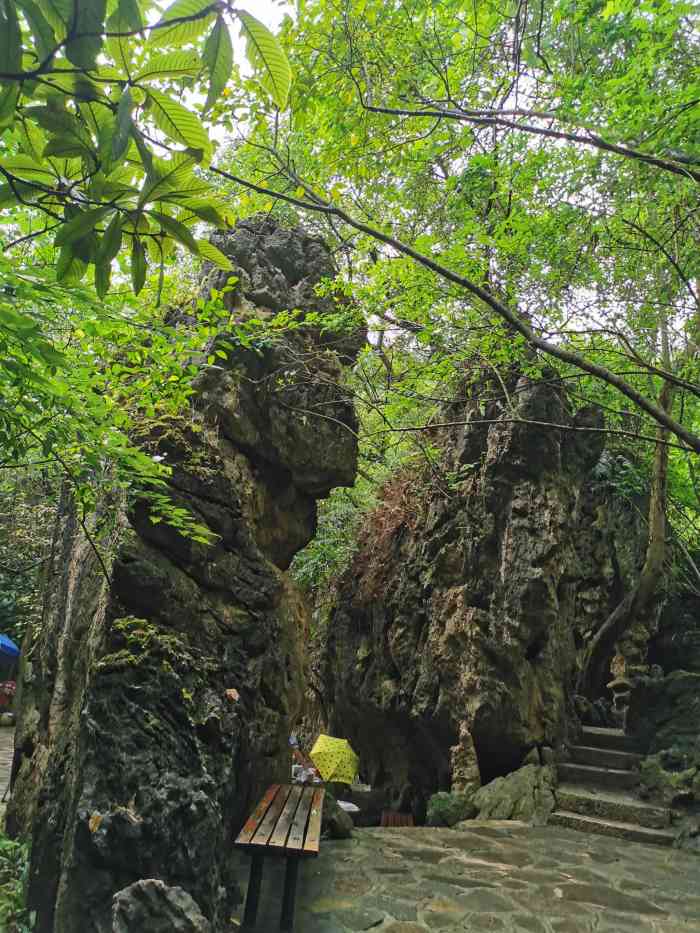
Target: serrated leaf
(177, 122)
(218, 57)
(170, 65)
(208, 251)
(177, 230)
(111, 242)
(121, 48)
(25, 166)
(138, 265)
(267, 56)
(80, 225)
(44, 38)
(87, 24)
(213, 212)
(181, 33)
(10, 38)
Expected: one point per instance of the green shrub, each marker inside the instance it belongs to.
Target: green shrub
(15, 917)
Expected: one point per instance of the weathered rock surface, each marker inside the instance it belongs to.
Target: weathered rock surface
(665, 712)
(335, 822)
(445, 809)
(157, 704)
(527, 794)
(152, 906)
(450, 646)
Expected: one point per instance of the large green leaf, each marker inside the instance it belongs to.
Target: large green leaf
(103, 272)
(80, 225)
(87, 26)
(111, 242)
(122, 127)
(218, 57)
(9, 95)
(138, 265)
(44, 38)
(69, 268)
(58, 13)
(24, 166)
(10, 38)
(177, 122)
(177, 230)
(208, 251)
(194, 18)
(168, 174)
(267, 56)
(170, 65)
(8, 193)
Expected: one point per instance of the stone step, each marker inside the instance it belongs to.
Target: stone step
(608, 778)
(608, 805)
(598, 737)
(600, 827)
(604, 757)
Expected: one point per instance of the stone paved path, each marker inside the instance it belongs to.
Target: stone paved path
(491, 876)
(6, 748)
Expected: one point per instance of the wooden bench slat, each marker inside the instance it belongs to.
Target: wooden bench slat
(312, 842)
(266, 828)
(297, 833)
(278, 839)
(251, 825)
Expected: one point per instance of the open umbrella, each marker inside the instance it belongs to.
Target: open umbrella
(335, 759)
(8, 649)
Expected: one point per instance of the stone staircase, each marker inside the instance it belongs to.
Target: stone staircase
(594, 791)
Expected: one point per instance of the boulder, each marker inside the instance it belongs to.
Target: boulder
(335, 822)
(527, 794)
(446, 809)
(150, 906)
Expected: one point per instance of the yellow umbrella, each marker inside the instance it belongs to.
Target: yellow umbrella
(335, 759)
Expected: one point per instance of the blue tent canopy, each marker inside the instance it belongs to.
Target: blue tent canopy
(8, 649)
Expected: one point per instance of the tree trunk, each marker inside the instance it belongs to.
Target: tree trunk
(639, 600)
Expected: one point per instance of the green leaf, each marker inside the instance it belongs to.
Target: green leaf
(213, 212)
(122, 127)
(103, 272)
(111, 241)
(69, 268)
(218, 57)
(44, 38)
(177, 122)
(9, 95)
(170, 65)
(165, 175)
(177, 230)
(138, 265)
(58, 14)
(208, 251)
(267, 56)
(121, 48)
(181, 33)
(8, 197)
(87, 24)
(25, 166)
(64, 146)
(76, 228)
(10, 38)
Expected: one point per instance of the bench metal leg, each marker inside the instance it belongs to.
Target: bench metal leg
(290, 890)
(253, 895)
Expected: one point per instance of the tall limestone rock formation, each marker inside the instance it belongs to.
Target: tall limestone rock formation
(450, 645)
(156, 704)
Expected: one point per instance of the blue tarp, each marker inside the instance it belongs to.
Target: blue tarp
(8, 649)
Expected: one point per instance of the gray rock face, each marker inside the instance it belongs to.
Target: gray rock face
(665, 712)
(335, 822)
(527, 794)
(156, 706)
(456, 628)
(149, 906)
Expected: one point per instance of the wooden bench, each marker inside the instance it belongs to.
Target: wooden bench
(286, 822)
